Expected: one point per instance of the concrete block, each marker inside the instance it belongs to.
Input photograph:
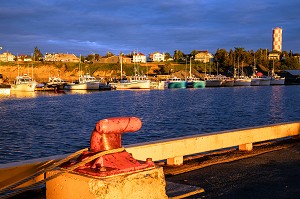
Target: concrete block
(175, 161)
(148, 184)
(246, 147)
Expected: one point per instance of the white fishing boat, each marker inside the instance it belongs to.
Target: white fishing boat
(24, 83)
(85, 82)
(225, 81)
(255, 81)
(242, 81)
(134, 82)
(265, 81)
(212, 81)
(276, 79)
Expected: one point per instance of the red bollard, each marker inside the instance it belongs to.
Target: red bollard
(107, 136)
(108, 132)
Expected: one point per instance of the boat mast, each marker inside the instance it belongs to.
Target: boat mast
(190, 67)
(121, 60)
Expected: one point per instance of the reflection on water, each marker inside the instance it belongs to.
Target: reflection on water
(21, 94)
(80, 91)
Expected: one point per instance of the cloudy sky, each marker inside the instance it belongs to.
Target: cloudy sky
(97, 26)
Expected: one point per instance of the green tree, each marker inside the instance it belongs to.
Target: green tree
(37, 55)
(167, 56)
(222, 58)
(178, 55)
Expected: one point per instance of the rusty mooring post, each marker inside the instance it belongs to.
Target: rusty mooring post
(115, 175)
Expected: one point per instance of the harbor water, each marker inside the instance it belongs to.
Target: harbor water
(41, 124)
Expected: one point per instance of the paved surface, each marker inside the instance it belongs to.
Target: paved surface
(270, 175)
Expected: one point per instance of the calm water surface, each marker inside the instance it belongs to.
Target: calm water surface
(42, 124)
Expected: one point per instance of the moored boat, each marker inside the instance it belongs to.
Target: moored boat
(212, 81)
(24, 83)
(277, 80)
(56, 83)
(265, 81)
(242, 81)
(85, 82)
(175, 82)
(194, 82)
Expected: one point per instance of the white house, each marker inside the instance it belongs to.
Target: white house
(139, 58)
(6, 57)
(157, 57)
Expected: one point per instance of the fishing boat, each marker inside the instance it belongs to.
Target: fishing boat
(241, 79)
(212, 81)
(56, 83)
(134, 82)
(85, 82)
(192, 81)
(265, 81)
(175, 82)
(276, 79)
(24, 83)
(226, 81)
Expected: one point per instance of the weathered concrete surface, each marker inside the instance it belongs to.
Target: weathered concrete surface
(274, 174)
(148, 184)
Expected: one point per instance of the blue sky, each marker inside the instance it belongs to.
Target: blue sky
(93, 26)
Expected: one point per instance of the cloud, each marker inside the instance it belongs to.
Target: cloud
(83, 26)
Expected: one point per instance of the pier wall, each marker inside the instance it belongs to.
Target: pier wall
(172, 150)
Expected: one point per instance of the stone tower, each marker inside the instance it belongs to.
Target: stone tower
(277, 39)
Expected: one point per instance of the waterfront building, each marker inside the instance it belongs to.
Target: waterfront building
(277, 39)
(203, 56)
(61, 57)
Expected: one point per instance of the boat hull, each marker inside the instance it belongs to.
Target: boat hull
(213, 83)
(195, 84)
(177, 84)
(279, 81)
(83, 86)
(132, 85)
(28, 87)
(227, 83)
(265, 81)
(255, 81)
(242, 82)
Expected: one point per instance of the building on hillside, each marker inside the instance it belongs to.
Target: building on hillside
(203, 56)
(24, 58)
(274, 55)
(61, 57)
(139, 58)
(114, 59)
(7, 57)
(157, 57)
(277, 39)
